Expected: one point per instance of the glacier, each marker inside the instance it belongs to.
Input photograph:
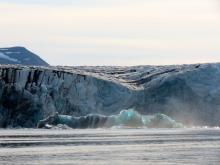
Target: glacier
(188, 94)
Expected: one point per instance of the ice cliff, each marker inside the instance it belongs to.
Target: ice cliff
(189, 94)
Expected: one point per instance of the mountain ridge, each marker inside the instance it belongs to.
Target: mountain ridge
(21, 56)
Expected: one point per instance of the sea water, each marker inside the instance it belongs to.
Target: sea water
(110, 146)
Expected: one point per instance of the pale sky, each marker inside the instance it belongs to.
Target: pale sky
(114, 32)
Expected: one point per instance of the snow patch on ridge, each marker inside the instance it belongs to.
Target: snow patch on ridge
(2, 55)
(12, 52)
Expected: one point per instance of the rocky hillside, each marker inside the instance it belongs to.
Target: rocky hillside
(21, 56)
(188, 93)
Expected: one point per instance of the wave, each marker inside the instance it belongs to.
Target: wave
(126, 118)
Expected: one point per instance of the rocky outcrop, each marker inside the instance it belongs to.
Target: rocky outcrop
(188, 93)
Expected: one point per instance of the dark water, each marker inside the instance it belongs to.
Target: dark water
(110, 146)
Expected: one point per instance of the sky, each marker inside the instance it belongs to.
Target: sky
(114, 32)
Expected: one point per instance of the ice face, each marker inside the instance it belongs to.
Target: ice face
(189, 94)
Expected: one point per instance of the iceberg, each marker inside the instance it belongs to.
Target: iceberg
(126, 118)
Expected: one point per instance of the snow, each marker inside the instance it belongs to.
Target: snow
(12, 52)
(2, 55)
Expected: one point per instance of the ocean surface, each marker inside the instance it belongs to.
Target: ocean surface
(111, 146)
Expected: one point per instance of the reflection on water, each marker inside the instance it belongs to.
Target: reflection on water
(110, 146)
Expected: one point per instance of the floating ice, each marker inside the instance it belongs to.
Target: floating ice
(132, 118)
(126, 118)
